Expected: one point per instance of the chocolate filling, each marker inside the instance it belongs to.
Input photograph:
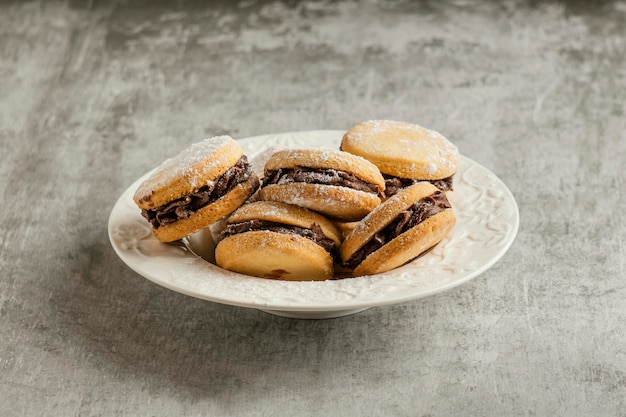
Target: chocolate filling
(315, 233)
(409, 218)
(394, 184)
(326, 176)
(184, 207)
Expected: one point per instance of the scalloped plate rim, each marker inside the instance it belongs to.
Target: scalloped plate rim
(355, 304)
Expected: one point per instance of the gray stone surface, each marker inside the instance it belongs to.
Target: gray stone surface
(93, 94)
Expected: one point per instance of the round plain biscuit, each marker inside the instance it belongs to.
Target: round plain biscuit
(279, 212)
(341, 203)
(211, 213)
(267, 254)
(327, 158)
(383, 215)
(185, 173)
(402, 149)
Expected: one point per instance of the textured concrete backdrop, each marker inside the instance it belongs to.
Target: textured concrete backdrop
(93, 94)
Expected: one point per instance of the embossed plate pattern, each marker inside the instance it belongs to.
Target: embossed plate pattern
(487, 223)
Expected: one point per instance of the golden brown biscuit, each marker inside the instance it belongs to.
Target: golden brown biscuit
(278, 212)
(345, 227)
(404, 152)
(404, 226)
(270, 239)
(197, 187)
(335, 183)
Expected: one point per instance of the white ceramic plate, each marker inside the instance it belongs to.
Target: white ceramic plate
(487, 222)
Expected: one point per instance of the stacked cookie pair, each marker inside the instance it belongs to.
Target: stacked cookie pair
(196, 188)
(374, 204)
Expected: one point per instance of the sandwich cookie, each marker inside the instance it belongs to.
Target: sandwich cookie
(407, 224)
(337, 184)
(405, 153)
(270, 239)
(197, 187)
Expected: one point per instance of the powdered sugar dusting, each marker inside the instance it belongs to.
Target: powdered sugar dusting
(265, 210)
(191, 163)
(326, 158)
(402, 142)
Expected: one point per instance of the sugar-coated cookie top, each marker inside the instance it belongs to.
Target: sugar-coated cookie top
(288, 214)
(327, 158)
(188, 171)
(403, 149)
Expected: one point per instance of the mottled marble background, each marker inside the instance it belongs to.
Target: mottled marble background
(93, 94)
